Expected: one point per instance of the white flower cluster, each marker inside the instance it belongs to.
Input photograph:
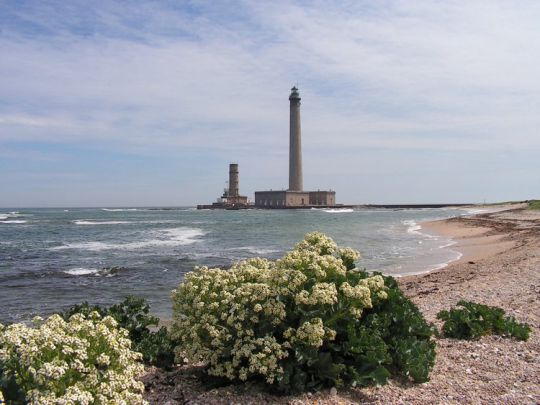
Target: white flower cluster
(82, 361)
(322, 293)
(244, 321)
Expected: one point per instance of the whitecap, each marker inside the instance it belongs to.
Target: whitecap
(338, 210)
(13, 214)
(20, 221)
(83, 222)
(165, 238)
(169, 237)
(119, 209)
(81, 271)
(92, 246)
(413, 227)
(257, 250)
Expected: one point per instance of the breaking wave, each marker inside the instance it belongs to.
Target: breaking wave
(119, 209)
(257, 250)
(81, 271)
(413, 227)
(83, 222)
(338, 210)
(164, 238)
(14, 214)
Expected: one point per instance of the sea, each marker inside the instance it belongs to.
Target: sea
(51, 259)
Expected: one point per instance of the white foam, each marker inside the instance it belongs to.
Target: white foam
(92, 246)
(13, 214)
(83, 222)
(20, 221)
(165, 238)
(257, 250)
(476, 211)
(439, 266)
(81, 271)
(119, 209)
(170, 237)
(450, 243)
(338, 210)
(413, 227)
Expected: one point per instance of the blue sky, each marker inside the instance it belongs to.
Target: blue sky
(137, 103)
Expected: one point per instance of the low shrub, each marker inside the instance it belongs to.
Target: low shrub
(82, 361)
(470, 320)
(303, 322)
(132, 314)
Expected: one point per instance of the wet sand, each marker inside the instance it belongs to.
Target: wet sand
(500, 266)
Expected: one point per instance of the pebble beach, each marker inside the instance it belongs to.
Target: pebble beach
(500, 266)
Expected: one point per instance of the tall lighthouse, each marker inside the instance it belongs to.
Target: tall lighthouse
(296, 182)
(295, 196)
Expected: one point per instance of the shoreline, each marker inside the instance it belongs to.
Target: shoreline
(500, 267)
(470, 241)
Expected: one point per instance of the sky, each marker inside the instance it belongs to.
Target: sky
(145, 103)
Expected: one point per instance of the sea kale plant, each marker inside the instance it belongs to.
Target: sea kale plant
(470, 320)
(133, 315)
(306, 321)
(86, 360)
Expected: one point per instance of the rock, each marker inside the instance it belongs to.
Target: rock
(333, 391)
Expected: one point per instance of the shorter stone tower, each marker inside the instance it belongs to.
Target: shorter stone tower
(234, 187)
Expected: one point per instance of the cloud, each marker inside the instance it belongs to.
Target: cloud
(163, 80)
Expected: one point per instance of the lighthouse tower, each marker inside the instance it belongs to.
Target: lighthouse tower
(295, 196)
(296, 182)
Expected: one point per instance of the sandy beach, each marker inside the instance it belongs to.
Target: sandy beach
(500, 265)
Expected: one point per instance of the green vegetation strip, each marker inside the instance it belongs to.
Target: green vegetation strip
(534, 204)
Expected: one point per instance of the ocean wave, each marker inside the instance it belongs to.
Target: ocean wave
(92, 246)
(338, 210)
(476, 211)
(164, 238)
(458, 255)
(12, 214)
(119, 209)
(106, 271)
(450, 243)
(257, 250)
(84, 222)
(14, 221)
(81, 271)
(413, 227)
